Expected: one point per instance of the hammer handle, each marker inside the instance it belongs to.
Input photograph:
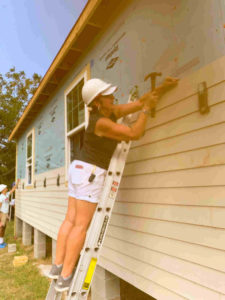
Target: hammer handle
(153, 80)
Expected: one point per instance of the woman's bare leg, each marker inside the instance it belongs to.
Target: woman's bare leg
(65, 230)
(76, 239)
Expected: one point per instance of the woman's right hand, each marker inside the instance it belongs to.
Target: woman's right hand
(151, 100)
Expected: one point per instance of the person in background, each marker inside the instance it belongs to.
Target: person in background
(4, 210)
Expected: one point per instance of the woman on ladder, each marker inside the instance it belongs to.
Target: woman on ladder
(86, 175)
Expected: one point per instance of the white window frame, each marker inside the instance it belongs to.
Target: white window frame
(31, 133)
(84, 74)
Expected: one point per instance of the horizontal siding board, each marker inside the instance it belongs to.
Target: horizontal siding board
(189, 123)
(211, 156)
(200, 235)
(182, 143)
(146, 285)
(29, 218)
(173, 282)
(195, 273)
(184, 106)
(57, 194)
(212, 73)
(190, 215)
(43, 201)
(41, 213)
(209, 196)
(199, 255)
(48, 207)
(42, 223)
(207, 176)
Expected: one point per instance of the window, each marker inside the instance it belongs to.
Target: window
(75, 107)
(76, 116)
(30, 158)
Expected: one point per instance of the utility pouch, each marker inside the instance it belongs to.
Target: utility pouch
(92, 176)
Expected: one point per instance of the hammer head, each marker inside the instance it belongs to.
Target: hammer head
(153, 75)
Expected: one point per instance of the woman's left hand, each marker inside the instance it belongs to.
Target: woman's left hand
(151, 100)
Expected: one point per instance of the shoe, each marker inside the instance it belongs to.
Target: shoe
(62, 284)
(3, 245)
(55, 271)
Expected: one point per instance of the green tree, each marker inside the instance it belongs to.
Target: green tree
(16, 90)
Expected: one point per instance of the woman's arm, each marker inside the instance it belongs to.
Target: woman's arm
(122, 110)
(107, 128)
(15, 187)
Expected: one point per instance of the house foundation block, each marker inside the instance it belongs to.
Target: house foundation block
(18, 229)
(26, 234)
(39, 244)
(105, 285)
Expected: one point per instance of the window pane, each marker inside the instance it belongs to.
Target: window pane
(29, 160)
(75, 117)
(69, 121)
(29, 146)
(69, 102)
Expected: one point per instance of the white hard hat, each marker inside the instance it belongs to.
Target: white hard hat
(2, 187)
(94, 87)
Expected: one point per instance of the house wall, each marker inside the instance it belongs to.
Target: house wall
(166, 235)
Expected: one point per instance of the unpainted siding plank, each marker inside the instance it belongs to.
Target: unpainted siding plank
(185, 142)
(183, 214)
(185, 106)
(211, 279)
(43, 224)
(200, 255)
(207, 176)
(42, 201)
(146, 285)
(200, 235)
(188, 123)
(212, 73)
(51, 217)
(209, 196)
(210, 156)
(172, 282)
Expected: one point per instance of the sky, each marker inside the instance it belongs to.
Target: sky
(33, 31)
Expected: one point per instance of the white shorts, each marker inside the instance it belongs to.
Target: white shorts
(79, 185)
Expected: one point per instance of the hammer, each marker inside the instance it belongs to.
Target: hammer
(153, 76)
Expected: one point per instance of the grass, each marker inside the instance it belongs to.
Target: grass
(23, 282)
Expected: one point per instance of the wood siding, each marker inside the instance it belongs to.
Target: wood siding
(44, 207)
